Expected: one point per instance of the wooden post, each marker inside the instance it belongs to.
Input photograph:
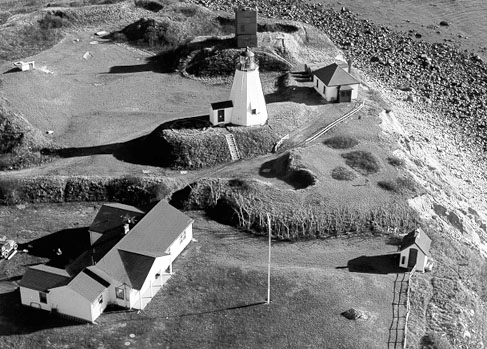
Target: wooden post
(269, 263)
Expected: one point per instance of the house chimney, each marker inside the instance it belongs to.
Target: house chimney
(349, 65)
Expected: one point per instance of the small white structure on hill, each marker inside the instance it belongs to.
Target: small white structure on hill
(122, 268)
(246, 106)
(335, 84)
(414, 250)
(24, 65)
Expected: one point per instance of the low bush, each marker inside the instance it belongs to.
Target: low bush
(435, 341)
(401, 185)
(53, 21)
(341, 142)
(341, 173)
(362, 161)
(395, 161)
(150, 5)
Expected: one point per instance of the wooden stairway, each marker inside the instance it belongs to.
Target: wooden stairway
(232, 146)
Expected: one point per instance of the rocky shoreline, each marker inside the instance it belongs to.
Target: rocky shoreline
(448, 83)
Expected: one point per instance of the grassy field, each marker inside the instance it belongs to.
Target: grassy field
(214, 300)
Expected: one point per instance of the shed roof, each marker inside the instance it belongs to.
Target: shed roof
(43, 277)
(334, 75)
(418, 238)
(112, 216)
(222, 105)
(89, 284)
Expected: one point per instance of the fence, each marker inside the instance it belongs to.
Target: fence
(401, 309)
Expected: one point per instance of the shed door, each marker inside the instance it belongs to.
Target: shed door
(413, 256)
(346, 96)
(221, 115)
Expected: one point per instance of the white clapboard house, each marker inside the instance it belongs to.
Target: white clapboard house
(334, 84)
(125, 266)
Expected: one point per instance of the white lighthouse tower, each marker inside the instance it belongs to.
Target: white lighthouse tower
(246, 106)
(249, 107)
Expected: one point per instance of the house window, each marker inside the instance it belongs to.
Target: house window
(182, 237)
(43, 297)
(119, 292)
(324, 89)
(100, 299)
(403, 259)
(253, 111)
(317, 82)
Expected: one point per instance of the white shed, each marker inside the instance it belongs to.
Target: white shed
(414, 250)
(221, 112)
(334, 84)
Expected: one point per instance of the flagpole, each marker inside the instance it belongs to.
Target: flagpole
(269, 263)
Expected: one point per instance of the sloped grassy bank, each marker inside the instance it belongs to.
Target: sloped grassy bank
(237, 202)
(245, 204)
(126, 189)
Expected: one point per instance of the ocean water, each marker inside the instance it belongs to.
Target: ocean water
(467, 19)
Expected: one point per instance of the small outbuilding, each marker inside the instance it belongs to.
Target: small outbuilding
(334, 84)
(414, 250)
(25, 65)
(221, 112)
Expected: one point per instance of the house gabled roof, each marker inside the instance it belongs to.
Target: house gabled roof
(89, 284)
(43, 277)
(113, 216)
(222, 105)
(418, 238)
(334, 75)
(130, 260)
(156, 231)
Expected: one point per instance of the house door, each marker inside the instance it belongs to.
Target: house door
(413, 257)
(221, 115)
(345, 96)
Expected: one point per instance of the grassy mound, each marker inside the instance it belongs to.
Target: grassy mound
(363, 162)
(25, 38)
(178, 24)
(341, 173)
(20, 142)
(341, 142)
(193, 144)
(290, 169)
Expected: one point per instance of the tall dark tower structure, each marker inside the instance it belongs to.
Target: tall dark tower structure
(246, 26)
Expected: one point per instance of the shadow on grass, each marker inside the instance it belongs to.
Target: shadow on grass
(381, 264)
(298, 178)
(169, 56)
(61, 247)
(291, 93)
(13, 70)
(222, 309)
(16, 319)
(151, 149)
